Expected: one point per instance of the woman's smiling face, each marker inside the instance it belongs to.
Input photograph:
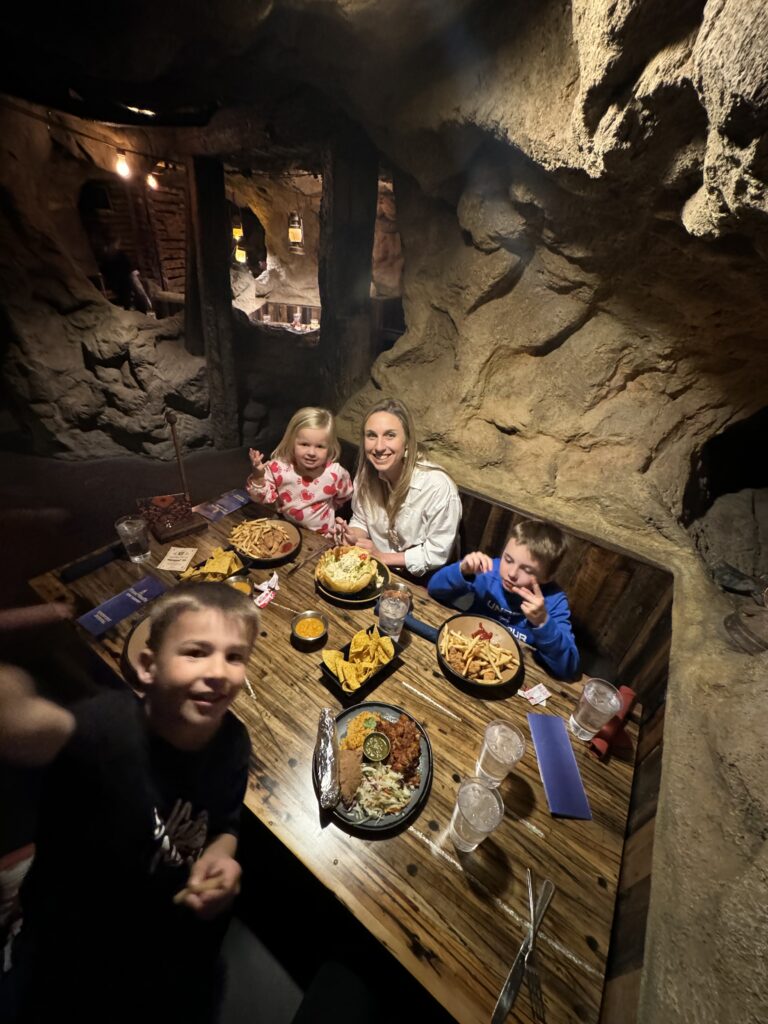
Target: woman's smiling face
(385, 444)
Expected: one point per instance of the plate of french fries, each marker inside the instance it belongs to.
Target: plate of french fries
(265, 540)
(479, 652)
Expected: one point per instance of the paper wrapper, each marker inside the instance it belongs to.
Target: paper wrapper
(612, 738)
(327, 761)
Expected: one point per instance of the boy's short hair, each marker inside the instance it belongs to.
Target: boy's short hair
(545, 542)
(199, 597)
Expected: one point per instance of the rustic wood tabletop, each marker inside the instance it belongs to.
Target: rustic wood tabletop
(455, 921)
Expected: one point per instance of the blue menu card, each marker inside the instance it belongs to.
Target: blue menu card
(121, 605)
(557, 767)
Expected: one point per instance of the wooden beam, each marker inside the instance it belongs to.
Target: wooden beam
(210, 224)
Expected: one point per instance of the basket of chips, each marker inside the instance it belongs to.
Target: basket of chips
(218, 566)
(365, 661)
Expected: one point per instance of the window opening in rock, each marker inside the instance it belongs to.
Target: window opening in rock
(274, 280)
(725, 505)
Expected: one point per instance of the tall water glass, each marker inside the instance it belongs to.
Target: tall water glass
(478, 811)
(598, 703)
(394, 603)
(503, 746)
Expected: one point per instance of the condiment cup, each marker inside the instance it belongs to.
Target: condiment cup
(304, 643)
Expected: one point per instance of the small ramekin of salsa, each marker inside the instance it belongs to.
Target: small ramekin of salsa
(309, 630)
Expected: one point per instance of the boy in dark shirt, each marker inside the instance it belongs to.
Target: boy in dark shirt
(134, 865)
(517, 590)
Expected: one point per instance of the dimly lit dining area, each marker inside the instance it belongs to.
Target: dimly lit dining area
(384, 629)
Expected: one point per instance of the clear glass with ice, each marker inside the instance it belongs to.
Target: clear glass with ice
(394, 603)
(503, 746)
(478, 811)
(598, 703)
(134, 533)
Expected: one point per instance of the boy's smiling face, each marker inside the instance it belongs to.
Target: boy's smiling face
(197, 672)
(518, 567)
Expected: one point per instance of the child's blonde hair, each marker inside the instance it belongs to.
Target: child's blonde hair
(200, 597)
(371, 490)
(311, 417)
(545, 542)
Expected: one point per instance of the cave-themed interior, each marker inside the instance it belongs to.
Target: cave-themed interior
(544, 226)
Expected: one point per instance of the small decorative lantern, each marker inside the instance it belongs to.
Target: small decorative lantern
(295, 234)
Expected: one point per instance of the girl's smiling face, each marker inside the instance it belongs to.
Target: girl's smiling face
(518, 567)
(310, 451)
(385, 444)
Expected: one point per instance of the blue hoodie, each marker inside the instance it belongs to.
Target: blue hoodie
(553, 642)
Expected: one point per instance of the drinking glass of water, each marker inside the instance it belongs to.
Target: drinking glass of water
(134, 533)
(478, 811)
(394, 603)
(503, 746)
(598, 703)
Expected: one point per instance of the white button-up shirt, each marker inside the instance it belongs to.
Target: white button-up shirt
(426, 525)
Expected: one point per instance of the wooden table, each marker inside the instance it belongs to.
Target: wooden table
(453, 920)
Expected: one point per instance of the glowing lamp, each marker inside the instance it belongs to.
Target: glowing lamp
(152, 182)
(121, 165)
(295, 234)
(237, 231)
(240, 254)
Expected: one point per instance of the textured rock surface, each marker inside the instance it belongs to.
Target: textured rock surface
(85, 378)
(581, 192)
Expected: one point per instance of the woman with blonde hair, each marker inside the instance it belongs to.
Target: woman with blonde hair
(405, 509)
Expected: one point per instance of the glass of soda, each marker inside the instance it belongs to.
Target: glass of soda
(598, 703)
(478, 811)
(394, 603)
(503, 746)
(134, 533)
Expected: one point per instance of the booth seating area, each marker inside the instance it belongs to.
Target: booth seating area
(621, 610)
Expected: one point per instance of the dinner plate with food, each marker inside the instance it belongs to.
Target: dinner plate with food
(265, 541)
(479, 654)
(350, 575)
(384, 766)
(365, 661)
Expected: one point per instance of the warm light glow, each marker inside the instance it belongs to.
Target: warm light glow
(121, 165)
(240, 254)
(295, 234)
(141, 110)
(152, 182)
(237, 231)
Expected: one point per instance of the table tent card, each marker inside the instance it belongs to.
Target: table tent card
(121, 606)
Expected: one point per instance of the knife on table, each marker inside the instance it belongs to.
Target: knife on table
(309, 558)
(514, 980)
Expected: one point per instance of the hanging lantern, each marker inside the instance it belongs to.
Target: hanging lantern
(237, 231)
(121, 165)
(295, 234)
(240, 254)
(152, 182)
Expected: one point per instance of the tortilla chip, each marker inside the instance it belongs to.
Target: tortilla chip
(358, 644)
(387, 648)
(332, 659)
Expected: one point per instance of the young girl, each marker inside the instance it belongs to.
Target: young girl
(303, 477)
(124, 906)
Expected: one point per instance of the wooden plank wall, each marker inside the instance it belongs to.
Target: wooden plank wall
(167, 216)
(621, 609)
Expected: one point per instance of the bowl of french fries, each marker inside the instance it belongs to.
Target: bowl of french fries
(478, 653)
(265, 541)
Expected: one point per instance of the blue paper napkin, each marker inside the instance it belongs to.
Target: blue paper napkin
(557, 767)
(121, 606)
(420, 628)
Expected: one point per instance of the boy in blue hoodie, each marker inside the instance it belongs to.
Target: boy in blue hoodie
(518, 591)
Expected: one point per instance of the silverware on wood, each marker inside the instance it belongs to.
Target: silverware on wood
(511, 986)
(309, 558)
(531, 967)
